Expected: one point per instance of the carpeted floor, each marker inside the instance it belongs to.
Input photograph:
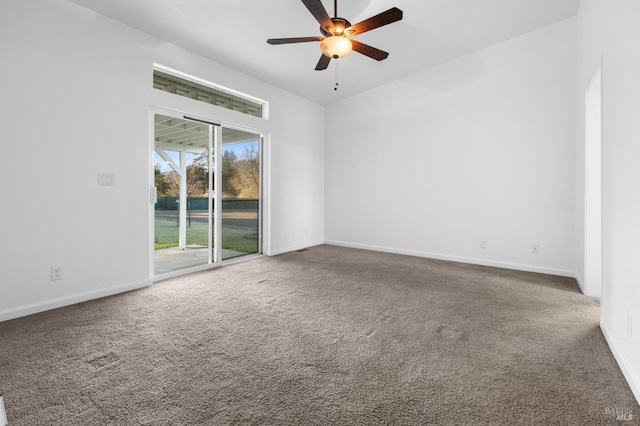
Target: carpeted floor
(323, 336)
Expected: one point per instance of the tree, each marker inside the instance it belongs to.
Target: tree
(246, 180)
(229, 160)
(168, 182)
(198, 176)
(240, 176)
(161, 182)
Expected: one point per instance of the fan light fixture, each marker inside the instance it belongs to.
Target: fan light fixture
(337, 39)
(336, 47)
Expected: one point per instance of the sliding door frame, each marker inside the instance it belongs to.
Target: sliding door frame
(215, 194)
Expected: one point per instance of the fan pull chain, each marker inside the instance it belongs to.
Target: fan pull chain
(336, 86)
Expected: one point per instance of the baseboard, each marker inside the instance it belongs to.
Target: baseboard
(579, 281)
(293, 248)
(461, 259)
(34, 308)
(629, 374)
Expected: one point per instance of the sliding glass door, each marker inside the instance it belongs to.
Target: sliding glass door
(240, 193)
(194, 224)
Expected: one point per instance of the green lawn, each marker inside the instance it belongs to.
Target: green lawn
(238, 239)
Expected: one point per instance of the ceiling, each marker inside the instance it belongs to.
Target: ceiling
(234, 33)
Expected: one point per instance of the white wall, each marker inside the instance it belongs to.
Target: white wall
(591, 280)
(476, 149)
(75, 102)
(480, 148)
(609, 32)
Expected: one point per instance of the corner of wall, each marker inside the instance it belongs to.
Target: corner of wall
(293, 248)
(630, 375)
(579, 280)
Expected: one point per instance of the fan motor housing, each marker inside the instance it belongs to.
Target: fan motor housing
(340, 24)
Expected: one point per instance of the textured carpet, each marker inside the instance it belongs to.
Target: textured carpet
(322, 336)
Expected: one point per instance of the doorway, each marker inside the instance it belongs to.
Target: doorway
(201, 217)
(593, 262)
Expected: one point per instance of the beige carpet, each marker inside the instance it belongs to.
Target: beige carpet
(323, 336)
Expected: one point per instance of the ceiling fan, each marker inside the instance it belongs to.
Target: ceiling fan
(337, 33)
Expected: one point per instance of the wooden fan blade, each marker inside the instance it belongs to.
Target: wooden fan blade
(294, 40)
(320, 13)
(323, 63)
(387, 17)
(369, 51)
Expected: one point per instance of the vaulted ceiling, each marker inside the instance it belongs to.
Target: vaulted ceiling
(234, 33)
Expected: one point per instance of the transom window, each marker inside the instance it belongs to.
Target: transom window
(200, 92)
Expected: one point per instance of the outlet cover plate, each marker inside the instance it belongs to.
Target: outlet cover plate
(56, 273)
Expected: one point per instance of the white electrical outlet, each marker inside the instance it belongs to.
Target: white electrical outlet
(483, 244)
(56, 273)
(535, 249)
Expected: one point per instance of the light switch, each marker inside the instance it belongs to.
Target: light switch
(105, 179)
